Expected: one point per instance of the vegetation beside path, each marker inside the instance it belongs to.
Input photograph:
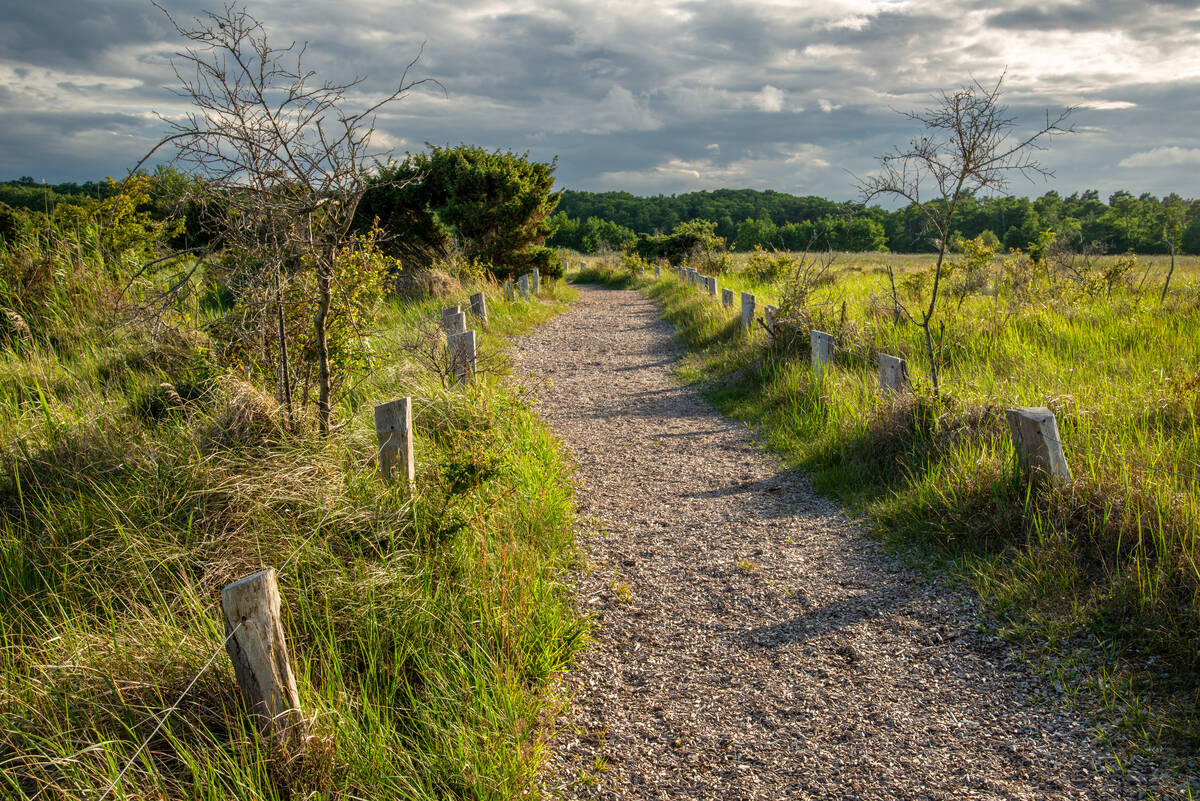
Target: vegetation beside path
(143, 468)
(1096, 580)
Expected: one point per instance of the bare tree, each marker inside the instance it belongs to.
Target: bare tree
(969, 146)
(284, 157)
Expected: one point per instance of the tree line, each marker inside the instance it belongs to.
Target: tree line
(749, 218)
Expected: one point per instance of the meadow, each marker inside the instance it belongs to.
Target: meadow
(1096, 580)
(141, 473)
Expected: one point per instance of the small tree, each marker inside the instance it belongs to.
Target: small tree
(284, 159)
(495, 204)
(1173, 225)
(968, 147)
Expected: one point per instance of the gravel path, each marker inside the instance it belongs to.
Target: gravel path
(750, 642)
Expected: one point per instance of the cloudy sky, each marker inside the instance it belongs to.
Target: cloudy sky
(647, 96)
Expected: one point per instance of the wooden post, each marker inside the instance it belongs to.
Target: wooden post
(524, 284)
(712, 286)
(455, 324)
(657, 270)
(479, 307)
(393, 429)
(769, 313)
(747, 311)
(254, 640)
(1039, 446)
(448, 315)
(822, 350)
(565, 266)
(893, 374)
(537, 281)
(462, 356)
(508, 289)
(727, 298)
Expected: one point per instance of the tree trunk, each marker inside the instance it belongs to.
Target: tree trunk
(1167, 283)
(319, 331)
(285, 375)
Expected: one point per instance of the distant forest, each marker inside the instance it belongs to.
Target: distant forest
(749, 218)
(746, 218)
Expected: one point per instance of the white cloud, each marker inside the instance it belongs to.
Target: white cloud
(620, 110)
(828, 105)
(1169, 156)
(770, 99)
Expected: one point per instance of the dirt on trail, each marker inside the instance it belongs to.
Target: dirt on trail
(750, 642)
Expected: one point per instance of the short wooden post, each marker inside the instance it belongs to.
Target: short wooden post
(712, 286)
(448, 317)
(256, 646)
(393, 429)
(769, 313)
(479, 307)
(727, 298)
(1039, 446)
(822, 350)
(657, 271)
(537, 281)
(893, 374)
(456, 324)
(524, 285)
(747, 311)
(564, 265)
(462, 356)
(508, 289)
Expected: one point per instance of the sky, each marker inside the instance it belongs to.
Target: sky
(646, 97)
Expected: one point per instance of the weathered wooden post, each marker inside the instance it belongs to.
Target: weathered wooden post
(462, 356)
(256, 646)
(1039, 446)
(479, 307)
(508, 289)
(448, 315)
(456, 323)
(893, 374)
(393, 429)
(565, 265)
(657, 270)
(712, 286)
(727, 298)
(822, 350)
(769, 313)
(524, 285)
(747, 311)
(537, 281)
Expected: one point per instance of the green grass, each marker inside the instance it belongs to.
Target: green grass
(1098, 581)
(424, 631)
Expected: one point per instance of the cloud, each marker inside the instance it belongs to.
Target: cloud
(621, 111)
(770, 99)
(664, 95)
(1168, 156)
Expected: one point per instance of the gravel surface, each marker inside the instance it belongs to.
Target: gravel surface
(750, 642)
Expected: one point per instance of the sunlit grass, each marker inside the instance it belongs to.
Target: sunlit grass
(424, 631)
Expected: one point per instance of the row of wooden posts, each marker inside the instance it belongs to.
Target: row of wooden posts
(251, 606)
(1034, 429)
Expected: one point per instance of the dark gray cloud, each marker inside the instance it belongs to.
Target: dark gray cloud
(667, 96)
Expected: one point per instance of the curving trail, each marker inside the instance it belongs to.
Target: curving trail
(751, 642)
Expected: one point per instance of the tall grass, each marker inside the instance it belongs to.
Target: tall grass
(1097, 579)
(424, 630)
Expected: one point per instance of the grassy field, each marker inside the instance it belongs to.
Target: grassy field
(423, 631)
(1097, 580)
